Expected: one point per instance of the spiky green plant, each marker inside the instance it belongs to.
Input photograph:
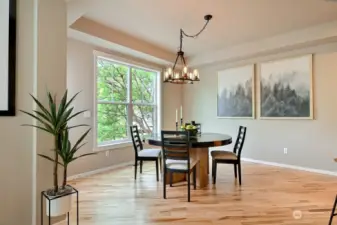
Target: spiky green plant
(53, 119)
(67, 152)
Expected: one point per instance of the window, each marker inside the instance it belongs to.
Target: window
(125, 95)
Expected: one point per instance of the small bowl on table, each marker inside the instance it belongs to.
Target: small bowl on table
(192, 132)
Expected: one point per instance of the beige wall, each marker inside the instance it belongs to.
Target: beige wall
(16, 161)
(41, 65)
(80, 77)
(310, 143)
(51, 76)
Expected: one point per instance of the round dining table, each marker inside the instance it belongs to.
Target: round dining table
(199, 150)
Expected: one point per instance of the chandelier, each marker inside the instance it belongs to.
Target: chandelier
(186, 75)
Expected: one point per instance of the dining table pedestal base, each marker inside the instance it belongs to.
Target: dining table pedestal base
(202, 155)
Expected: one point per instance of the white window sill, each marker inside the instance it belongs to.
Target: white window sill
(113, 146)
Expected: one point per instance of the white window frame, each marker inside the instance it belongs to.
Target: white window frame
(109, 145)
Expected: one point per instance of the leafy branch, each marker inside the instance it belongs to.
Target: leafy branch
(53, 119)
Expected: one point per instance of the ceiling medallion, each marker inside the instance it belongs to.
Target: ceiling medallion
(186, 75)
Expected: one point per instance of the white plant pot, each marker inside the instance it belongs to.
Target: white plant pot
(59, 206)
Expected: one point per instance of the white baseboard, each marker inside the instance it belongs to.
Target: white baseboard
(326, 172)
(87, 174)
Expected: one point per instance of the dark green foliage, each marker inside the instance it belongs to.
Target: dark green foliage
(281, 100)
(113, 87)
(112, 122)
(53, 119)
(67, 151)
(236, 102)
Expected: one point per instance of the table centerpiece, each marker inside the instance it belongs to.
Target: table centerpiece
(190, 128)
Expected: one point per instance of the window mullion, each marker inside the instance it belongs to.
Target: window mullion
(155, 102)
(130, 110)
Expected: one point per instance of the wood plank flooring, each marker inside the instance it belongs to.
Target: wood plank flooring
(269, 195)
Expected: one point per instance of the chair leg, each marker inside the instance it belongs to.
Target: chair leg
(135, 169)
(208, 163)
(212, 168)
(141, 166)
(188, 187)
(160, 164)
(333, 211)
(171, 178)
(164, 184)
(157, 172)
(239, 165)
(235, 171)
(195, 178)
(214, 175)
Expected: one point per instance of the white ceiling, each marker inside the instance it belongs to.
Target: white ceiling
(234, 21)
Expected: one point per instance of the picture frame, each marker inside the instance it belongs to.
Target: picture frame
(236, 93)
(286, 88)
(8, 20)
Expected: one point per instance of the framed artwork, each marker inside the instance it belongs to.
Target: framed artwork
(286, 89)
(236, 93)
(7, 57)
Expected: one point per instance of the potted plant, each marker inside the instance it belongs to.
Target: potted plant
(67, 153)
(54, 119)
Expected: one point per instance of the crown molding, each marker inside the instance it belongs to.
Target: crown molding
(124, 40)
(321, 34)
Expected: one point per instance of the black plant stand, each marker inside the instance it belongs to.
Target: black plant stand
(333, 211)
(50, 198)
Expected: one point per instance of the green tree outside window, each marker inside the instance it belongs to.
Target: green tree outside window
(126, 96)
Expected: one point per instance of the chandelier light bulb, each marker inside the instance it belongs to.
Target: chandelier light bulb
(185, 70)
(169, 71)
(196, 74)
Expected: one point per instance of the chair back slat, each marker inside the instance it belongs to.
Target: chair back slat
(172, 145)
(240, 139)
(175, 145)
(178, 154)
(136, 141)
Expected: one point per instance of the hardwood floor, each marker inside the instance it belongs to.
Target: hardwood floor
(269, 195)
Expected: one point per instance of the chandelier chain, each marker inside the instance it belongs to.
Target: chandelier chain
(197, 34)
(186, 76)
(182, 33)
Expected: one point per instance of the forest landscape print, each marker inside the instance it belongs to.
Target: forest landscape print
(286, 88)
(236, 92)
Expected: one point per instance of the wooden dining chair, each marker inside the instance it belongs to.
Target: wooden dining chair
(176, 157)
(142, 154)
(228, 157)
